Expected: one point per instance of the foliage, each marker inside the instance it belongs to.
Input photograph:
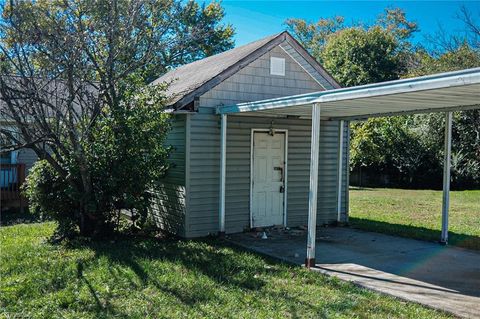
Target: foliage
(72, 79)
(150, 36)
(51, 197)
(462, 57)
(127, 153)
(466, 124)
(467, 148)
(409, 150)
(313, 36)
(395, 22)
(196, 32)
(417, 214)
(151, 278)
(357, 56)
(389, 146)
(125, 156)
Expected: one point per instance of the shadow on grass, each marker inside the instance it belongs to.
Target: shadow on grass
(14, 217)
(206, 257)
(415, 232)
(229, 266)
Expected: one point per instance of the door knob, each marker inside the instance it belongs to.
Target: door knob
(282, 189)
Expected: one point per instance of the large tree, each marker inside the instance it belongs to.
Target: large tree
(358, 53)
(72, 83)
(357, 56)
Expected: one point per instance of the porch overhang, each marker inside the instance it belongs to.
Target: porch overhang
(459, 90)
(444, 92)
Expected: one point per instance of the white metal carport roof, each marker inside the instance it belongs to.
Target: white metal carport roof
(444, 92)
(457, 90)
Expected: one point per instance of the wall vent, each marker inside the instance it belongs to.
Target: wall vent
(277, 66)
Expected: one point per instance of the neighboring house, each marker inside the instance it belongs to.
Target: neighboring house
(267, 158)
(14, 166)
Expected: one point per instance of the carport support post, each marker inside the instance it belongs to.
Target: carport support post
(223, 166)
(312, 195)
(340, 172)
(446, 177)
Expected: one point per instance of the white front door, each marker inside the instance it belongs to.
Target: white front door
(268, 188)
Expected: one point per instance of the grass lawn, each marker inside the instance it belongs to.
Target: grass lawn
(417, 214)
(133, 278)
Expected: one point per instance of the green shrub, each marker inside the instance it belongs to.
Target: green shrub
(50, 197)
(124, 156)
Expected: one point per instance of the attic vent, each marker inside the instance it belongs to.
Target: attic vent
(277, 66)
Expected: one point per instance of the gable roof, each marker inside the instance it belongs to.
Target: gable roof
(196, 78)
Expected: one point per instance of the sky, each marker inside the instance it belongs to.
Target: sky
(256, 19)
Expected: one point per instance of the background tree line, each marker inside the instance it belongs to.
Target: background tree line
(407, 150)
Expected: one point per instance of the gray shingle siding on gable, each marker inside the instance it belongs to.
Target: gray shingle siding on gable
(194, 79)
(254, 82)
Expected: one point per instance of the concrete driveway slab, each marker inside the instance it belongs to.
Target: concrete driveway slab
(445, 278)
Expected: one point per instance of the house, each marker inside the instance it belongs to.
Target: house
(267, 156)
(14, 166)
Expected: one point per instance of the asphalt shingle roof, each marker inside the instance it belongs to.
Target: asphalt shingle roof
(187, 78)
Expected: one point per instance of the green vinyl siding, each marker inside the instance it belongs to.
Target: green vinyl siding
(170, 194)
(205, 170)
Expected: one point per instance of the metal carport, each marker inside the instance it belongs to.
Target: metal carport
(444, 92)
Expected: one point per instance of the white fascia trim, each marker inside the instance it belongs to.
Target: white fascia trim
(391, 88)
(311, 75)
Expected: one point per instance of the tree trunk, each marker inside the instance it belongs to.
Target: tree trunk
(87, 224)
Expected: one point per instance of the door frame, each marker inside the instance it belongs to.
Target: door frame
(267, 130)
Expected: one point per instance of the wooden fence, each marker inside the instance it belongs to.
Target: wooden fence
(12, 177)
